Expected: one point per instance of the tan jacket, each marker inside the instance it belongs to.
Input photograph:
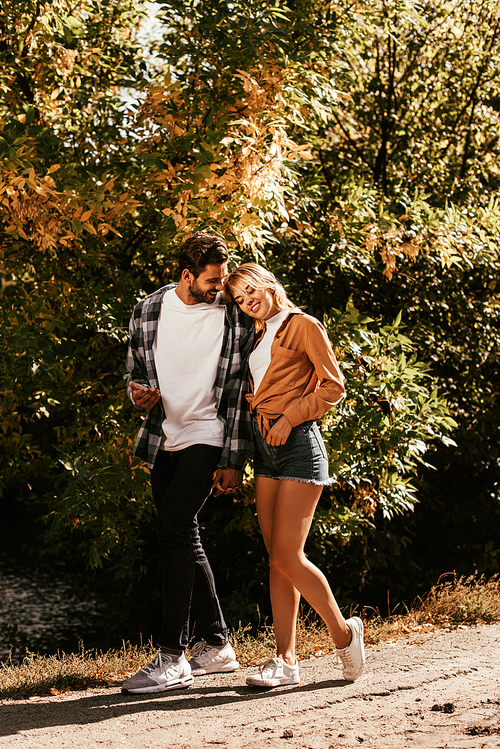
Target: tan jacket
(303, 380)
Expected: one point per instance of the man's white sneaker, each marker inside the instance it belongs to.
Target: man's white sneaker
(212, 659)
(161, 674)
(353, 656)
(274, 673)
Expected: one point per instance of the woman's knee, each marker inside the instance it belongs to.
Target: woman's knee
(285, 561)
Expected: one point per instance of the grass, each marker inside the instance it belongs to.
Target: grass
(451, 603)
(40, 675)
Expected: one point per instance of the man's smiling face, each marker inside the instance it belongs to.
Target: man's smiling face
(208, 284)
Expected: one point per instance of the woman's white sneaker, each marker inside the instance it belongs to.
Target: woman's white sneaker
(353, 656)
(274, 673)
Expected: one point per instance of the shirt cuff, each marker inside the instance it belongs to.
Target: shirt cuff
(293, 415)
(235, 461)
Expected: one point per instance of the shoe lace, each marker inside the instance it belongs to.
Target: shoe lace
(274, 661)
(344, 656)
(200, 648)
(159, 662)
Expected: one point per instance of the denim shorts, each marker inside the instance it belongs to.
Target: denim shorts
(302, 458)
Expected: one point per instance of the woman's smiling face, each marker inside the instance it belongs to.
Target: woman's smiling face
(257, 303)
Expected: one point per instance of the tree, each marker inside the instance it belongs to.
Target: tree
(218, 134)
(64, 181)
(424, 99)
(418, 132)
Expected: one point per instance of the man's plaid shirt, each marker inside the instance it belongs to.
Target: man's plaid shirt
(231, 384)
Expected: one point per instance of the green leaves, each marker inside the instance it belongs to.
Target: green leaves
(380, 432)
(337, 144)
(424, 77)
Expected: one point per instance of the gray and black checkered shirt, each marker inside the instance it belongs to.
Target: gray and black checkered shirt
(231, 384)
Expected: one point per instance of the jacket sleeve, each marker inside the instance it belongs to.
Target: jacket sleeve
(330, 382)
(135, 367)
(238, 443)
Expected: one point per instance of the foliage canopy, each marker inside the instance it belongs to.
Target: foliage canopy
(354, 149)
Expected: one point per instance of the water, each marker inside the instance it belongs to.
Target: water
(41, 611)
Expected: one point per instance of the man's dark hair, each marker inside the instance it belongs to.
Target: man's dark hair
(202, 249)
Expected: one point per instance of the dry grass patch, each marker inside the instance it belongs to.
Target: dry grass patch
(452, 602)
(40, 675)
(464, 600)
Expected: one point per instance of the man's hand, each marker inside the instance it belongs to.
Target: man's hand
(144, 397)
(279, 432)
(226, 480)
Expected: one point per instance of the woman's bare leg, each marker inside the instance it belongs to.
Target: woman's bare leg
(285, 514)
(285, 597)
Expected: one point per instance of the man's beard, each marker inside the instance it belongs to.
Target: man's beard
(200, 296)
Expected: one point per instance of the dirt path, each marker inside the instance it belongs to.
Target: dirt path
(436, 690)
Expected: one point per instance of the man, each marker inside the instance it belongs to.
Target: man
(184, 367)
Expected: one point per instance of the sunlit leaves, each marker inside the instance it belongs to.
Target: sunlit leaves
(425, 107)
(268, 123)
(217, 122)
(381, 430)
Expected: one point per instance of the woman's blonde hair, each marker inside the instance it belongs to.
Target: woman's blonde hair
(254, 275)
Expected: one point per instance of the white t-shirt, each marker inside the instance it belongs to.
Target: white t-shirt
(260, 358)
(186, 350)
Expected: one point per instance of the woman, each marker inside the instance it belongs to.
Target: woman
(295, 379)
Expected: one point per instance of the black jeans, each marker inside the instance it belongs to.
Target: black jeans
(181, 484)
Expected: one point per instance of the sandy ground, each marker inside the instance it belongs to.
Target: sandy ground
(435, 690)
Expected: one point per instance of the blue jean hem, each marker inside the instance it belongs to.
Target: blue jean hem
(326, 482)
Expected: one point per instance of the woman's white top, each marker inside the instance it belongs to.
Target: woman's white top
(186, 351)
(260, 358)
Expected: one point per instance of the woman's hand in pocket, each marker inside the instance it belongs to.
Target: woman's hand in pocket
(279, 432)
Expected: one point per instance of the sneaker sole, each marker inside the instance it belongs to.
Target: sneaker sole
(223, 668)
(181, 684)
(268, 683)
